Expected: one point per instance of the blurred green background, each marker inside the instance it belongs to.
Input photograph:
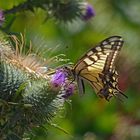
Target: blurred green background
(88, 117)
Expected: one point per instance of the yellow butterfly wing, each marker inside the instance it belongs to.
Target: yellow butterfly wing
(97, 67)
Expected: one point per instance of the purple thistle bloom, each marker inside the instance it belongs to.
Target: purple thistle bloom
(2, 18)
(89, 12)
(58, 79)
(69, 90)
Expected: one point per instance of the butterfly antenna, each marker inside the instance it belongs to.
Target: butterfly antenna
(117, 95)
(122, 93)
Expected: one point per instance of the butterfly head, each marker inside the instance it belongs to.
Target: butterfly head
(70, 71)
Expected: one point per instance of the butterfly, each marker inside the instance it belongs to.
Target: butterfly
(98, 69)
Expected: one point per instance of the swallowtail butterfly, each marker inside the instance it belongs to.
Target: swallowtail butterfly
(98, 69)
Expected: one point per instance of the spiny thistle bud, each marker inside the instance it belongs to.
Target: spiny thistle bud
(30, 92)
(66, 11)
(71, 9)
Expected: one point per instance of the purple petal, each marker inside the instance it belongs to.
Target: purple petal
(58, 78)
(2, 18)
(69, 90)
(89, 12)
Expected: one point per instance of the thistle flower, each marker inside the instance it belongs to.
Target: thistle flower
(88, 13)
(26, 89)
(61, 10)
(2, 18)
(60, 81)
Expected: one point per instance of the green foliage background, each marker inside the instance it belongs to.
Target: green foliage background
(88, 117)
